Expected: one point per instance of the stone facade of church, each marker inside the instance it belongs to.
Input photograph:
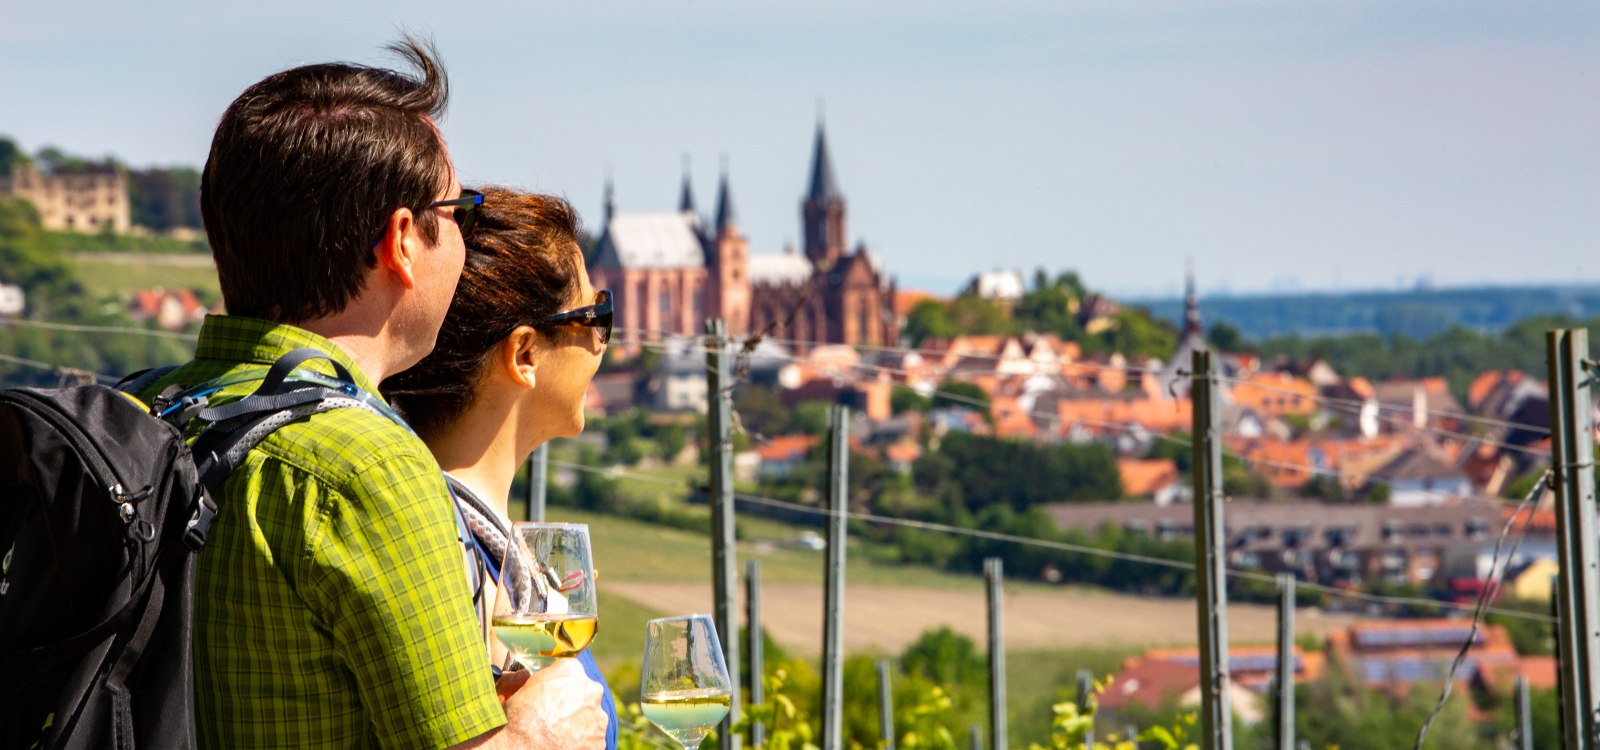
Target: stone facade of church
(670, 271)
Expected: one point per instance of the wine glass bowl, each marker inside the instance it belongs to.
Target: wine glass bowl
(684, 688)
(547, 606)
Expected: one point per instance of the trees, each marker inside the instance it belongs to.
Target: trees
(1053, 308)
(1138, 334)
(1347, 714)
(1225, 338)
(163, 199)
(54, 293)
(1237, 478)
(903, 399)
(760, 410)
(988, 471)
(962, 394)
(966, 314)
(10, 153)
(928, 319)
(1049, 306)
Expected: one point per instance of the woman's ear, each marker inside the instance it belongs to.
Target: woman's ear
(519, 356)
(397, 248)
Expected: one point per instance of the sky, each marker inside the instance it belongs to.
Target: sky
(1271, 144)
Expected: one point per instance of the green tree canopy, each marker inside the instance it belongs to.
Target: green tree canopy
(10, 154)
(164, 199)
(989, 470)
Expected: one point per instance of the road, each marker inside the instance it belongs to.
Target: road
(888, 618)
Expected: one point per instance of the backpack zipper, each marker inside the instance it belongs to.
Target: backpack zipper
(104, 475)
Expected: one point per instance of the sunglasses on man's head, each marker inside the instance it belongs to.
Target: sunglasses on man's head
(597, 315)
(466, 210)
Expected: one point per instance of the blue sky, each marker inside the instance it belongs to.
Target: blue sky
(1276, 143)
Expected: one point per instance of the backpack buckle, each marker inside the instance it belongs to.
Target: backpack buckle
(179, 412)
(205, 511)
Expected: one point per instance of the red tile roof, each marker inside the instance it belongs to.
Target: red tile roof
(1150, 684)
(906, 299)
(1143, 477)
(903, 452)
(786, 447)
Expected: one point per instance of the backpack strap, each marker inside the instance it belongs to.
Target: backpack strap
(135, 382)
(283, 397)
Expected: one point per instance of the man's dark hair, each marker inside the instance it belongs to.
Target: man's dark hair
(305, 169)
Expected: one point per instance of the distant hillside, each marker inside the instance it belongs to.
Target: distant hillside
(1417, 314)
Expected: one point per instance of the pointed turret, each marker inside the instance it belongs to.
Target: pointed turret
(1175, 377)
(726, 218)
(686, 194)
(727, 261)
(1191, 307)
(823, 187)
(822, 212)
(611, 200)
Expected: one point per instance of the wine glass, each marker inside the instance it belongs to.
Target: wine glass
(685, 688)
(546, 607)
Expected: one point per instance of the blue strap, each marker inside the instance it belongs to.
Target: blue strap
(483, 554)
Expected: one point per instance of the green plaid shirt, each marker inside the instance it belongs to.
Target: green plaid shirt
(330, 609)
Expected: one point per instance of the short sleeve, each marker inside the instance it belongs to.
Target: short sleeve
(383, 571)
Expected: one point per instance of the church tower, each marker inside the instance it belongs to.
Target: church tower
(728, 290)
(822, 211)
(1191, 307)
(686, 193)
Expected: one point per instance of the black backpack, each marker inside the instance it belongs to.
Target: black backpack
(102, 507)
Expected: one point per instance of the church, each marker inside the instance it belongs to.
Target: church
(669, 271)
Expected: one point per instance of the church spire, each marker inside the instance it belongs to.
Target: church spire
(822, 214)
(823, 188)
(611, 199)
(726, 218)
(686, 194)
(1191, 305)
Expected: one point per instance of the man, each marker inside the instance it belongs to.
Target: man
(330, 606)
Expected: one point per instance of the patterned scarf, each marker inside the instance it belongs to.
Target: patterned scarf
(493, 533)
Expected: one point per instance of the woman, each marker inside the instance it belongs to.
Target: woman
(512, 365)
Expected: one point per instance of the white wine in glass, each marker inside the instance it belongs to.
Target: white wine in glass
(685, 688)
(546, 607)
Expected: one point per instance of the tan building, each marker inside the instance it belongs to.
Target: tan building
(85, 202)
(672, 270)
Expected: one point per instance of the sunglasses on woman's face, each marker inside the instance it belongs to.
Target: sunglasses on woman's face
(465, 210)
(597, 316)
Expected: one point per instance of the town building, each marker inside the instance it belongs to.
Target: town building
(1001, 286)
(13, 301)
(1320, 542)
(1148, 685)
(1394, 654)
(672, 270)
(170, 309)
(88, 201)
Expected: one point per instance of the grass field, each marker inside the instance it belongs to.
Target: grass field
(120, 274)
(1052, 631)
(628, 550)
(887, 606)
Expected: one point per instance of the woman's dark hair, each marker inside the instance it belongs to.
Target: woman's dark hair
(522, 264)
(306, 167)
